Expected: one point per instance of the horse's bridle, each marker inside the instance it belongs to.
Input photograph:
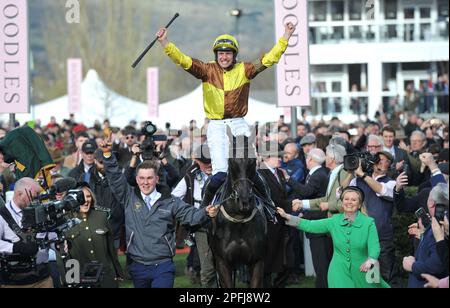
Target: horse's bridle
(235, 195)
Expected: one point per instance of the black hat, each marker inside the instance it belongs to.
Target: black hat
(89, 147)
(83, 184)
(355, 189)
(444, 155)
(202, 154)
(443, 167)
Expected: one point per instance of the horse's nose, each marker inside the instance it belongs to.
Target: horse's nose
(245, 205)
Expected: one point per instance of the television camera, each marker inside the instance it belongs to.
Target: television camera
(45, 215)
(148, 147)
(367, 160)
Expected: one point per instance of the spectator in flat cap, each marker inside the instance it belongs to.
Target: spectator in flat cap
(308, 139)
(81, 172)
(307, 143)
(189, 189)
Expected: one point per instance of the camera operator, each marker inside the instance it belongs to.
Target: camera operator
(426, 259)
(149, 220)
(379, 191)
(155, 151)
(14, 241)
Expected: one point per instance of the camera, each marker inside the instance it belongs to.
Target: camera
(441, 210)
(148, 148)
(53, 215)
(423, 215)
(352, 161)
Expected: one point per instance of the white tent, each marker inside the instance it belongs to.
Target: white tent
(190, 107)
(98, 102)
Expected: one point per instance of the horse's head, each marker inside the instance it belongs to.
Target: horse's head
(242, 171)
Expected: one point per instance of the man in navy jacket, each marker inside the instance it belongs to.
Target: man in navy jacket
(426, 259)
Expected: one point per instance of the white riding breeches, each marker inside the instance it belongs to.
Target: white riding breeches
(218, 140)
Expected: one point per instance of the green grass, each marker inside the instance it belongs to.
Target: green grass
(181, 281)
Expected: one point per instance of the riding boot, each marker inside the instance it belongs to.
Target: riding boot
(262, 191)
(211, 187)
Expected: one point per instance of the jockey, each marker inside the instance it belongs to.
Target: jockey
(226, 87)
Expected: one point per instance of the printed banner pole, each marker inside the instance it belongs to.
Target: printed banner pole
(14, 57)
(153, 91)
(74, 80)
(293, 84)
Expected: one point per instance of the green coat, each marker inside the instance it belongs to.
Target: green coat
(92, 240)
(353, 244)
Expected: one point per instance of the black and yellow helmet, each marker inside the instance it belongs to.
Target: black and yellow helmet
(226, 42)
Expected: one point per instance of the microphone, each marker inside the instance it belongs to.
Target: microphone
(64, 185)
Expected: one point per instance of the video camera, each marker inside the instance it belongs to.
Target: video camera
(53, 216)
(148, 148)
(352, 161)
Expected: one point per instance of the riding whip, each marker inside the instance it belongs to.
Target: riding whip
(152, 43)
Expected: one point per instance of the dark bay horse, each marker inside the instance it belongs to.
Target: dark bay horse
(238, 234)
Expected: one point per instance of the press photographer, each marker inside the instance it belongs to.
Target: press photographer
(154, 148)
(37, 222)
(379, 191)
(15, 243)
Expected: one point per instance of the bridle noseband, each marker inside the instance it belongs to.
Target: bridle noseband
(235, 196)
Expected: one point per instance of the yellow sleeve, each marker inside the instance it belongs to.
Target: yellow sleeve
(178, 57)
(275, 54)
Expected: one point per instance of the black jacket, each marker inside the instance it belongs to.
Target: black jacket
(315, 187)
(279, 249)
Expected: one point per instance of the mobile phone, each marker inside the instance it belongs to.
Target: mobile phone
(423, 215)
(406, 168)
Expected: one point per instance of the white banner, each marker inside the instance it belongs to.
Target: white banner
(14, 62)
(74, 80)
(293, 69)
(153, 91)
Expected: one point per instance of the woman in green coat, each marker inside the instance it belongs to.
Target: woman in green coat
(92, 240)
(355, 243)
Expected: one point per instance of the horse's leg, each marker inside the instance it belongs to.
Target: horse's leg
(225, 273)
(257, 275)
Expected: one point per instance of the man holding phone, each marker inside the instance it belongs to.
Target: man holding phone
(426, 259)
